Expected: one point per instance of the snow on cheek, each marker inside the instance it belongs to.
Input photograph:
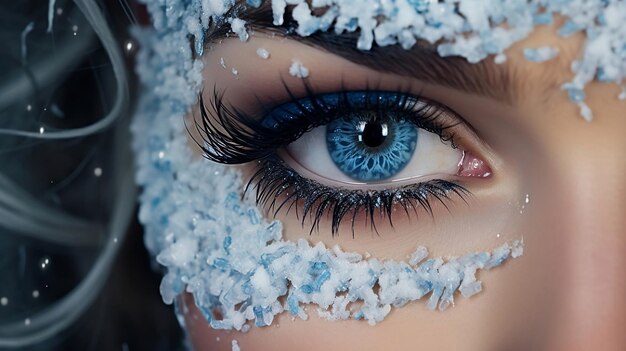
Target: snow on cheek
(179, 253)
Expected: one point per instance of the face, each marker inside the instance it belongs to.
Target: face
(527, 165)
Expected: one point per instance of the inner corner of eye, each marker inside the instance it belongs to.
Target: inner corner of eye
(473, 166)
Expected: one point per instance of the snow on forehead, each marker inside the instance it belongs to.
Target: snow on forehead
(468, 28)
(473, 29)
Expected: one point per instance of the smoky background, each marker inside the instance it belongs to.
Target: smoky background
(74, 272)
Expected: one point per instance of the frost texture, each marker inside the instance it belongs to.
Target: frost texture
(238, 26)
(542, 54)
(235, 346)
(467, 28)
(473, 29)
(263, 53)
(232, 260)
(298, 70)
(222, 251)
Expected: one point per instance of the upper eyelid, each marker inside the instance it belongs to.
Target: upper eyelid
(248, 139)
(440, 189)
(455, 119)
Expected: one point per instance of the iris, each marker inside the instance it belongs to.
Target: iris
(370, 149)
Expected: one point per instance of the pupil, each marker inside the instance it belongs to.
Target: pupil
(374, 134)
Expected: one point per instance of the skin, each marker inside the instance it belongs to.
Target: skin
(565, 293)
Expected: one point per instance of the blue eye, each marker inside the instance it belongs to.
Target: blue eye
(364, 138)
(339, 154)
(370, 150)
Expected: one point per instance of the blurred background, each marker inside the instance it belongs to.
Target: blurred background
(74, 274)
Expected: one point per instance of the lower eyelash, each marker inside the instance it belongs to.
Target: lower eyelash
(278, 187)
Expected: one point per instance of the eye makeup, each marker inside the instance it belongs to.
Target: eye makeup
(236, 264)
(217, 245)
(460, 28)
(280, 187)
(231, 137)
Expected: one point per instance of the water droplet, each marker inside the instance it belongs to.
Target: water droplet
(44, 263)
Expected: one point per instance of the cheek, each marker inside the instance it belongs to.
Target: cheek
(239, 261)
(484, 324)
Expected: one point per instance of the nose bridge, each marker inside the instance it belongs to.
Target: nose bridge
(592, 303)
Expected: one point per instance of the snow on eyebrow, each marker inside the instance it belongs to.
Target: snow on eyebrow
(473, 29)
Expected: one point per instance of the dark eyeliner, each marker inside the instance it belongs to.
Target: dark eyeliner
(232, 137)
(279, 187)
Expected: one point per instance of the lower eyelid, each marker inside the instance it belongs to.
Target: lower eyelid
(279, 189)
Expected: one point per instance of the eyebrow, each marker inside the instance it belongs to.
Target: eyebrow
(422, 62)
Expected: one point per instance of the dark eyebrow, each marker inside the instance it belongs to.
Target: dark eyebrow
(421, 62)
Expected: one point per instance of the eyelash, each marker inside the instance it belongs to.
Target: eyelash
(232, 137)
(274, 179)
